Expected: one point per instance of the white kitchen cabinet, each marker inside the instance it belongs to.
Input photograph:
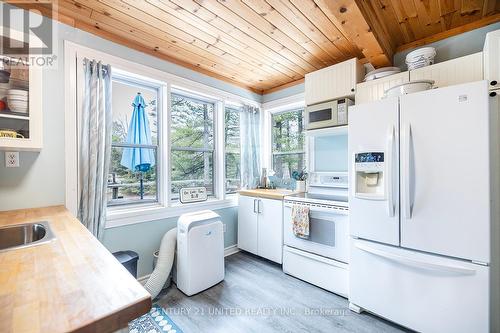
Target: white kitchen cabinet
(333, 82)
(455, 71)
(270, 229)
(374, 90)
(260, 227)
(247, 224)
(491, 58)
(20, 128)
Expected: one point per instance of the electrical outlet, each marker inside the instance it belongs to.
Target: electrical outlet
(12, 159)
(224, 228)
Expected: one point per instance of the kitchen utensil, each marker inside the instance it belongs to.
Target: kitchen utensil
(381, 72)
(10, 134)
(408, 88)
(420, 58)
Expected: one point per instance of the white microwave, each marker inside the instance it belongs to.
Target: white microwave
(328, 114)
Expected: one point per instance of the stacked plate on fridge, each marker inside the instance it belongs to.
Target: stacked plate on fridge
(17, 100)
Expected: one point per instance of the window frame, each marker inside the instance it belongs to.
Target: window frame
(294, 152)
(235, 108)
(141, 212)
(124, 77)
(213, 150)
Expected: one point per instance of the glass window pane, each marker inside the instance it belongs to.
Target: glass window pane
(123, 97)
(232, 142)
(132, 176)
(287, 146)
(191, 169)
(233, 172)
(125, 186)
(284, 165)
(191, 122)
(287, 131)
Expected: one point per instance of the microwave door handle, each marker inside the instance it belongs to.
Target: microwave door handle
(390, 171)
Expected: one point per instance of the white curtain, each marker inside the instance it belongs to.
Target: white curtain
(250, 146)
(95, 146)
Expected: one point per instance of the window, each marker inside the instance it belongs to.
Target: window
(232, 149)
(133, 173)
(287, 145)
(192, 144)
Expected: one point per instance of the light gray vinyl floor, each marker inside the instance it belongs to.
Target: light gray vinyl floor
(256, 296)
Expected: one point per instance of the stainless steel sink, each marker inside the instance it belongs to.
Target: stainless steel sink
(24, 235)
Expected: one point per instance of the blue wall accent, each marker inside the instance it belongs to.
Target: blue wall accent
(290, 91)
(453, 47)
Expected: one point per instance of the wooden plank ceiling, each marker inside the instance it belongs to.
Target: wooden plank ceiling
(264, 45)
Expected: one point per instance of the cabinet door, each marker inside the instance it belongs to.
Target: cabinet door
(491, 56)
(374, 90)
(451, 72)
(333, 82)
(247, 224)
(270, 229)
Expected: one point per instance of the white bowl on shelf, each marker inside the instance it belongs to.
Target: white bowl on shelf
(18, 92)
(381, 72)
(420, 58)
(409, 88)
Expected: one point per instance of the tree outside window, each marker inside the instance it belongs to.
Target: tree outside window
(232, 149)
(287, 145)
(192, 144)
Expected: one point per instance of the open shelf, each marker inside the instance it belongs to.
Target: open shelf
(14, 115)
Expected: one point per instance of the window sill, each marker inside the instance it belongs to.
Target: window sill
(152, 212)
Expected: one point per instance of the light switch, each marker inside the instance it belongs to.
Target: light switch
(11, 159)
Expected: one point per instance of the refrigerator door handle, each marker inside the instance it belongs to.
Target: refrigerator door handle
(390, 171)
(406, 168)
(415, 262)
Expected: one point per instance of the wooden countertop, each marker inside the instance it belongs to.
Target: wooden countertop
(72, 283)
(278, 194)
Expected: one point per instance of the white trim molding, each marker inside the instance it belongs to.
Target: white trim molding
(145, 213)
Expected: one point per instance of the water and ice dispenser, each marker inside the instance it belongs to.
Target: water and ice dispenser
(369, 169)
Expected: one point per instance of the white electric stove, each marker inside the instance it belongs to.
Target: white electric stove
(322, 259)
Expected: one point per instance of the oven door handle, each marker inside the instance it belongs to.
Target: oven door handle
(313, 209)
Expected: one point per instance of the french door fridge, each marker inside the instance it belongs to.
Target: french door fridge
(420, 208)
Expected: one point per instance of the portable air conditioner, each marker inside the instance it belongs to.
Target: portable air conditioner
(200, 251)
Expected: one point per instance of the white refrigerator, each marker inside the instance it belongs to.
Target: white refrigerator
(420, 208)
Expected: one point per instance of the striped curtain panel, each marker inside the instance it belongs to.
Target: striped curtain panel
(95, 146)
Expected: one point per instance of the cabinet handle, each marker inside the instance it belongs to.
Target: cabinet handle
(258, 206)
(254, 200)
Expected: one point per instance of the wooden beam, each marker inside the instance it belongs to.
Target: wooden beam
(451, 32)
(348, 16)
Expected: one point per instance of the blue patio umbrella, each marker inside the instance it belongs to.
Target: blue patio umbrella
(138, 159)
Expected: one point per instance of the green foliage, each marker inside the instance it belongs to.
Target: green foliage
(288, 145)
